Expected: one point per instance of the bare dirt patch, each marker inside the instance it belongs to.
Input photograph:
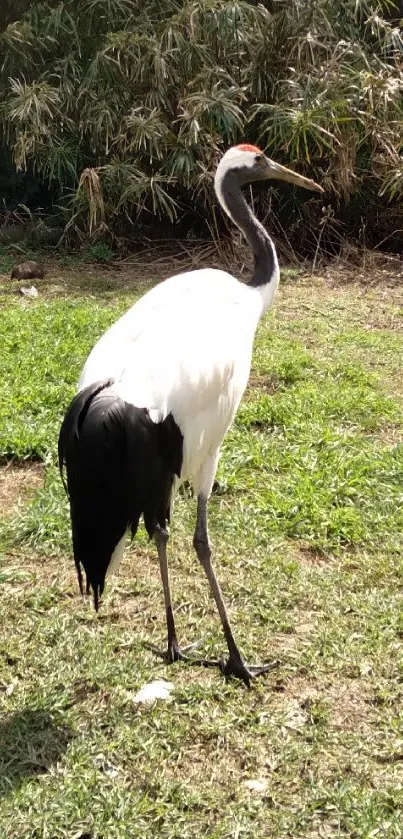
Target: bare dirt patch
(345, 703)
(312, 557)
(17, 484)
(348, 704)
(374, 305)
(391, 435)
(136, 273)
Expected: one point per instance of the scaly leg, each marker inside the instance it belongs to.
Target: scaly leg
(235, 665)
(173, 653)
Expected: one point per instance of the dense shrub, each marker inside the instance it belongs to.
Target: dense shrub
(119, 108)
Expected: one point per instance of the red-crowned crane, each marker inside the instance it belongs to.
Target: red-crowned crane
(156, 397)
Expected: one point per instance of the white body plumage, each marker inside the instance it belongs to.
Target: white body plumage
(185, 348)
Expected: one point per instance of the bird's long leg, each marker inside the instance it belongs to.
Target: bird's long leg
(173, 653)
(161, 537)
(235, 665)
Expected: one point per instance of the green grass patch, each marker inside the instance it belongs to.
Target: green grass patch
(42, 346)
(307, 530)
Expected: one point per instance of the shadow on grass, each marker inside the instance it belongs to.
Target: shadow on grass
(30, 742)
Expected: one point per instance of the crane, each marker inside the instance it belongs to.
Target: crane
(156, 397)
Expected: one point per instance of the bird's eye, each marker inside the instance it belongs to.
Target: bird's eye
(258, 158)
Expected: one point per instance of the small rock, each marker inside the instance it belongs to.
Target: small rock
(29, 292)
(29, 270)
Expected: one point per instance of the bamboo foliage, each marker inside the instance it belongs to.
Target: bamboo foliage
(121, 106)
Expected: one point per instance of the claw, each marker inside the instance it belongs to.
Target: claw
(245, 672)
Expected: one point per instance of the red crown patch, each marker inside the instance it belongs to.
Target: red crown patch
(247, 147)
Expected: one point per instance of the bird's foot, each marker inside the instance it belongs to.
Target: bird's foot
(235, 666)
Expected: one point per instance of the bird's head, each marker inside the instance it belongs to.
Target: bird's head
(249, 164)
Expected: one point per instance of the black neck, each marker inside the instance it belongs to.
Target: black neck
(259, 240)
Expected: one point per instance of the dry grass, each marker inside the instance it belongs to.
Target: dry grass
(17, 485)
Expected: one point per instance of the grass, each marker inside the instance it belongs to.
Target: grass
(307, 530)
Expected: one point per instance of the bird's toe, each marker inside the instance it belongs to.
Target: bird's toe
(246, 672)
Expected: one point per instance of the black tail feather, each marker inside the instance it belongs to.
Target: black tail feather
(120, 465)
(74, 419)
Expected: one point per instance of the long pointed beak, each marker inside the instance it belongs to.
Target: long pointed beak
(281, 173)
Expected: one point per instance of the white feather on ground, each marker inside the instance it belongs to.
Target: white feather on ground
(159, 689)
